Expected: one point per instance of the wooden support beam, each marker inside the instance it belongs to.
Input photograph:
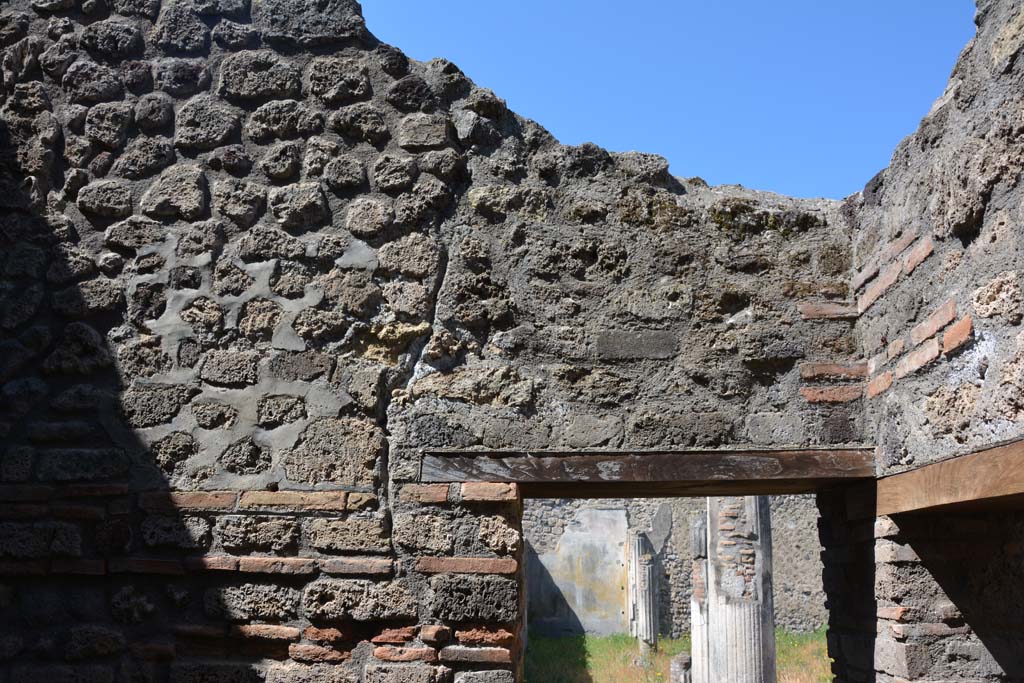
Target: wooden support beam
(690, 472)
(985, 480)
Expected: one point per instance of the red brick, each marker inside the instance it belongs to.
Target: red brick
(314, 654)
(357, 565)
(144, 565)
(199, 631)
(92, 490)
(897, 246)
(425, 493)
(89, 513)
(895, 348)
(485, 636)
(79, 566)
(958, 334)
(277, 565)
(879, 384)
(22, 567)
(360, 501)
(877, 361)
(265, 632)
(21, 493)
(331, 635)
(395, 636)
(816, 310)
(165, 501)
(892, 613)
(483, 655)
(820, 370)
(839, 394)
(916, 256)
(387, 653)
(863, 275)
(466, 565)
(294, 500)
(886, 279)
(939, 318)
(918, 358)
(485, 492)
(258, 648)
(435, 633)
(204, 647)
(22, 511)
(211, 563)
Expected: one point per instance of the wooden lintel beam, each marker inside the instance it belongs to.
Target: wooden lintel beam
(692, 472)
(989, 479)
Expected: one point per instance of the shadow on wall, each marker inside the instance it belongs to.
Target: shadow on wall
(548, 612)
(84, 564)
(976, 560)
(848, 578)
(559, 623)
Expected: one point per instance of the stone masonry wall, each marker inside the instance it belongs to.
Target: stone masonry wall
(937, 257)
(937, 277)
(253, 262)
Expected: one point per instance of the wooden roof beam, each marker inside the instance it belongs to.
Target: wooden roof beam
(988, 479)
(685, 472)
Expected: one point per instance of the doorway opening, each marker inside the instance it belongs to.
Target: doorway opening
(585, 566)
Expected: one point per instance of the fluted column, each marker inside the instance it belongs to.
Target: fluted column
(699, 602)
(643, 592)
(741, 633)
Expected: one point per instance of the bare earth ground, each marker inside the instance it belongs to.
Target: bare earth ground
(802, 658)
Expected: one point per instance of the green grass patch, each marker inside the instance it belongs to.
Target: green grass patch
(802, 658)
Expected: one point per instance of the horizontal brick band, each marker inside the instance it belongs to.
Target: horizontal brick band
(918, 358)
(836, 370)
(368, 566)
(317, 654)
(162, 501)
(485, 492)
(957, 335)
(482, 655)
(485, 636)
(466, 565)
(388, 653)
(916, 256)
(394, 636)
(879, 384)
(886, 279)
(814, 310)
(294, 500)
(277, 565)
(265, 632)
(145, 565)
(939, 318)
(425, 493)
(838, 394)
(357, 565)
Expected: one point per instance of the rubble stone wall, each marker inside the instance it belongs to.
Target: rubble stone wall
(937, 263)
(253, 262)
(937, 278)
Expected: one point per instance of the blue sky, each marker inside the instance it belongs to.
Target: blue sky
(804, 97)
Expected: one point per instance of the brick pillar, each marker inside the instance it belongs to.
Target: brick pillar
(741, 644)
(848, 577)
